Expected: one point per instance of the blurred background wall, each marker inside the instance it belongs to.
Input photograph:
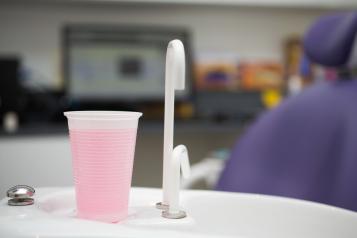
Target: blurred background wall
(31, 30)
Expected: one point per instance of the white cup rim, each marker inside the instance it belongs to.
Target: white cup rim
(103, 115)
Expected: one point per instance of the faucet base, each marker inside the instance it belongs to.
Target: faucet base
(178, 215)
(162, 206)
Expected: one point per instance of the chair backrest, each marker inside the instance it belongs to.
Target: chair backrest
(331, 40)
(306, 147)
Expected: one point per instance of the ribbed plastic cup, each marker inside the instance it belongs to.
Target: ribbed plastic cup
(103, 146)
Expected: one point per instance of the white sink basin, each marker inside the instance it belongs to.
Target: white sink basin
(210, 214)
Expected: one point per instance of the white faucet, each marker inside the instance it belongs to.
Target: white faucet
(173, 159)
(179, 160)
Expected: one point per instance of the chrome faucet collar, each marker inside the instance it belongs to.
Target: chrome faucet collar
(21, 195)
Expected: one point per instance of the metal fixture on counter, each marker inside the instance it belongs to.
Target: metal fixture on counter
(21, 195)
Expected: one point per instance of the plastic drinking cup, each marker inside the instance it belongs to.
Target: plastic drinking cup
(103, 146)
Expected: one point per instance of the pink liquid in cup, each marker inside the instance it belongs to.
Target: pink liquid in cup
(102, 169)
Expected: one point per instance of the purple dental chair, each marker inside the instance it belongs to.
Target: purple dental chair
(306, 148)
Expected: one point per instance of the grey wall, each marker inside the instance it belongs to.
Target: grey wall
(33, 30)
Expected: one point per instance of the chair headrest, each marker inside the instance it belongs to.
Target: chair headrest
(331, 40)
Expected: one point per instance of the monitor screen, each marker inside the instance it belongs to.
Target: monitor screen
(117, 63)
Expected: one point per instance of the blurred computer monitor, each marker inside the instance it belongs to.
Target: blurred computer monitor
(118, 63)
(10, 90)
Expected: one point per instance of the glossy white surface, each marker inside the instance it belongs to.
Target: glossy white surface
(210, 214)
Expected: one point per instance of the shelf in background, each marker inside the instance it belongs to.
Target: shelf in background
(181, 127)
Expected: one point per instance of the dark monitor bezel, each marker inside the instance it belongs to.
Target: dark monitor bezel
(176, 32)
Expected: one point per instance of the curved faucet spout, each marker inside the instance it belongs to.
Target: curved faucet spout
(175, 64)
(180, 161)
